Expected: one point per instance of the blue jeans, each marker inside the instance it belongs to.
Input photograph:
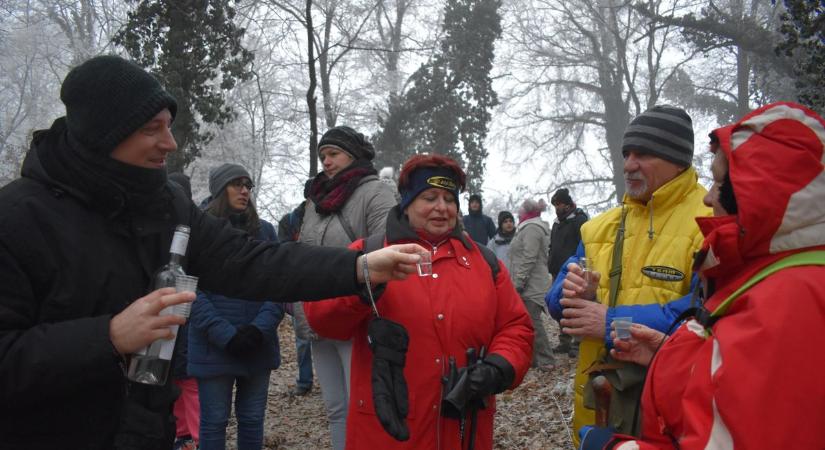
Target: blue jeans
(303, 349)
(250, 408)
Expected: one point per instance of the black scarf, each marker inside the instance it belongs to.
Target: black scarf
(107, 184)
(331, 194)
(503, 238)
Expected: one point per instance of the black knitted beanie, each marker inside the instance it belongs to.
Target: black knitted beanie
(349, 141)
(108, 98)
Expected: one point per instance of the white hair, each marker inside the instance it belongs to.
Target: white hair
(386, 172)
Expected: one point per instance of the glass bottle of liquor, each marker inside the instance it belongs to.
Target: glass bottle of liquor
(150, 365)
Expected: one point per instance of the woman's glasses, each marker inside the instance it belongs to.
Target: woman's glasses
(240, 182)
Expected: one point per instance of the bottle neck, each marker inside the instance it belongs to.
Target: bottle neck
(175, 259)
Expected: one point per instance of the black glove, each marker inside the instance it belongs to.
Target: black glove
(246, 341)
(485, 379)
(388, 341)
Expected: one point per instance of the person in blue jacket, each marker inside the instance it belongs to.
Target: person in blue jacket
(233, 343)
(478, 225)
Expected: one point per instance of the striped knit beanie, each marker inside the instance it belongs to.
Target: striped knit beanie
(664, 131)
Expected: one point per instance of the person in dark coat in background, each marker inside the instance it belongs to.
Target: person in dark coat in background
(480, 227)
(233, 343)
(564, 238)
(84, 229)
(182, 180)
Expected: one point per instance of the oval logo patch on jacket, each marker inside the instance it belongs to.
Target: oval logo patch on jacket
(663, 273)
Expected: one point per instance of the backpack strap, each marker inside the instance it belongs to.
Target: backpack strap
(374, 242)
(813, 258)
(491, 259)
(616, 270)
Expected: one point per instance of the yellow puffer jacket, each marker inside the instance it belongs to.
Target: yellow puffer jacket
(659, 236)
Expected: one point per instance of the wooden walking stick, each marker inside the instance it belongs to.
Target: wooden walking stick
(602, 391)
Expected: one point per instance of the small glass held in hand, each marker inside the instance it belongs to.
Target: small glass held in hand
(425, 266)
(622, 326)
(585, 264)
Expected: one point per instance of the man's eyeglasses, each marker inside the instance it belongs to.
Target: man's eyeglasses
(240, 182)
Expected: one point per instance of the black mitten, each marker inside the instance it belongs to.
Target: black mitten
(246, 341)
(388, 341)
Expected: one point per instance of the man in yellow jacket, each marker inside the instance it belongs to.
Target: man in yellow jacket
(655, 249)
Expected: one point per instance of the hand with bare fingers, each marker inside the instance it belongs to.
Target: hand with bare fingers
(575, 285)
(140, 323)
(640, 348)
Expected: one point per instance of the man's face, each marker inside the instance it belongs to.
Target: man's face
(562, 209)
(718, 168)
(475, 206)
(148, 146)
(645, 173)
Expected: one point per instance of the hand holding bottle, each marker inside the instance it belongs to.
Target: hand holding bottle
(140, 323)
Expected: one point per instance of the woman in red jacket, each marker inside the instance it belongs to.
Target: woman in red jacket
(468, 302)
(746, 371)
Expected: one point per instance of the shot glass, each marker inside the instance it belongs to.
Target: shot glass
(622, 327)
(184, 283)
(586, 266)
(425, 266)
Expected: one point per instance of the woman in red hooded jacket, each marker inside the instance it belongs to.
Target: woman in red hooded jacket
(466, 302)
(746, 371)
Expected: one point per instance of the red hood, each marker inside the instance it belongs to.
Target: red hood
(775, 157)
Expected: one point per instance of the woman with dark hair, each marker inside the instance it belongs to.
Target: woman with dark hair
(346, 201)
(465, 302)
(233, 343)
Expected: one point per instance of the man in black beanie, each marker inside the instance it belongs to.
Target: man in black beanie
(639, 253)
(88, 223)
(564, 238)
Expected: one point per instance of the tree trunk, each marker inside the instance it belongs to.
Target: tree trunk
(311, 106)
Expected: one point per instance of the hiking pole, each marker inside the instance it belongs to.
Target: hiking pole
(471, 359)
(474, 408)
(602, 391)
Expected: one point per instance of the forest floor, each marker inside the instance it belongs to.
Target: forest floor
(536, 415)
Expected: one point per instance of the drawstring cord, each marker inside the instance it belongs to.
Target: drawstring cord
(650, 227)
(369, 288)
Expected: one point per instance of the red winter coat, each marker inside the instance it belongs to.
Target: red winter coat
(756, 381)
(459, 307)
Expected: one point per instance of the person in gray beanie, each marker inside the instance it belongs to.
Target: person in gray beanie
(639, 253)
(220, 176)
(89, 221)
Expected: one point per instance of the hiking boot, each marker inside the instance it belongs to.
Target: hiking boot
(300, 391)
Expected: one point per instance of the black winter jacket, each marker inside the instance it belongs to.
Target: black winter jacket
(564, 238)
(480, 227)
(66, 269)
